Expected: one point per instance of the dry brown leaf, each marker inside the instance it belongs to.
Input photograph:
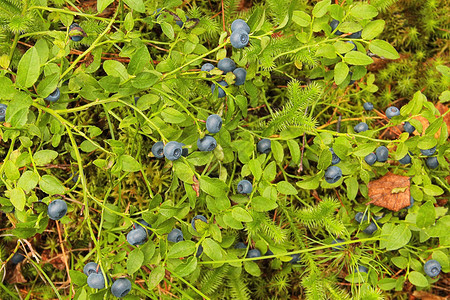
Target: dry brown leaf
(14, 275)
(427, 296)
(390, 191)
(442, 109)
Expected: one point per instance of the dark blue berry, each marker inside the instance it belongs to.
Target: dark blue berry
(226, 65)
(370, 158)
(354, 45)
(411, 203)
(208, 143)
(3, 112)
(121, 287)
(253, 253)
(179, 23)
(360, 127)
(405, 160)
(239, 39)
(91, 267)
(207, 67)
(240, 245)
(221, 91)
(432, 268)
(264, 146)
(392, 111)
(158, 149)
(360, 217)
(240, 24)
(295, 259)
(361, 269)
(334, 158)
(76, 33)
(199, 251)
(198, 217)
(140, 224)
(334, 24)
(53, 97)
(137, 236)
(244, 187)
(57, 209)
(17, 258)
(333, 174)
(371, 228)
(175, 236)
(428, 152)
(96, 281)
(173, 150)
(240, 74)
(355, 35)
(213, 123)
(408, 127)
(337, 241)
(268, 252)
(432, 162)
(368, 106)
(382, 153)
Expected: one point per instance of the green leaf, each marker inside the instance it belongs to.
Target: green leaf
(241, 214)
(29, 68)
(373, 29)
(252, 268)
(135, 260)
(340, 72)
(11, 170)
(426, 215)
(327, 51)
(387, 284)
(51, 185)
(325, 158)
(78, 278)
(168, 30)
(320, 9)
(187, 267)
(156, 276)
(102, 4)
(137, 5)
(48, 85)
(212, 249)
(301, 18)
(28, 181)
(384, 49)
(232, 222)
(364, 11)
(418, 279)
(172, 115)
(129, 164)
(400, 262)
(213, 186)
(394, 236)
(139, 61)
(277, 151)
(17, 197)
(181, 249)
(352, 187)
(43, 157)
(286, 188)
(263, 204)
(433, 190)
(255, 167)
(357, 58)
(183, 171)
(115, 68)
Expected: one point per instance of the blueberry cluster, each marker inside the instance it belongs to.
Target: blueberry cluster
(96, 280)
(226, 65)
(239, 34)
(172, 150)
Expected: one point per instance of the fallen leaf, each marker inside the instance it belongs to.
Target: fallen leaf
(14, 275)
(443, 109)
(196, 186)
(427, 296)
(390, 191)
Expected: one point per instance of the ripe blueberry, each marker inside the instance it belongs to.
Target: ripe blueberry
(360, 217)
(53, 97)
(264, 146)
(244, 187)
(411, 203)
(140, 224)
(96, 281)
(368, 106)
(432, 268)
(334, 24)
(240, 245)
(213, 123)
(355, 35)
(360, 127)
(185, 152)
(121, 287)
(334, 158)
(408, 127)
(240, 74)
(158, 149)
(371, 228)
(226, 65)
(172, 150)
(253, 253)
(179, 23)
(354, 48)
(337, 241)
(208, 143)
(76, 33)
(239, 39)
(91, 267)
(405, 160)
(428, 152)
(17, 258)
(432, 162)
(295, 259)
(333, 174)
(198, 217)
(392, 111)
(207, 67)
(221, 91)
(175, 236)
(3, 112)
(199, 251)
(57, 209)
(370, 158)
(382, 153)
(361, 269)
(240, 24)
(137, 236)
(268, 252)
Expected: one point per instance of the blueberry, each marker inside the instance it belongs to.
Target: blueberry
(408, 127)
(17, 258)
(268, 252)
(370, 158)
(91, 267)
(368, 106)
(240, 245)
(140, 224)
(158, 149)
(53, 97)
(179, 23)
(121, 287)
(75, 177)
(264, 146)
(337, 241)
(432, 162)
(221, 91)
(355, 35)
(244, 187)
(240, 74)
(354, 48)
(57, 209)
(333, 174)
(361, 269)
(173, 150)
(208, 143)
(239, 39)
(432, 268)
(96, 281)
(76, 38)
(175, 236)
(137, 236)
(334, 158)
(334, 24)
(185, 152)
(226, 65)
(253, 253)
(392, 111)
(207, 67)
(371, 228)
(382, 153)
(240, 24)
(411, 203)
(360, 217)
(405, 160)
(76, 33)
(3, 112)
(198, 217)
(213, 123)
(295, 259)
(199, 251)
(428, 152)
(360, 127)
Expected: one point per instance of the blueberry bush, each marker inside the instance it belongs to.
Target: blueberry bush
(224, 149)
